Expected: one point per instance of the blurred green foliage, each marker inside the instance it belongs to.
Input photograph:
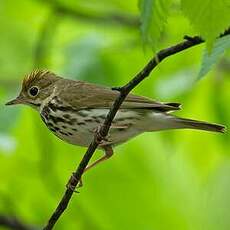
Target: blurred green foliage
(210, 18)
(176, 180)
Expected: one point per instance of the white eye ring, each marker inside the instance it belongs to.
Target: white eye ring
(33, 91)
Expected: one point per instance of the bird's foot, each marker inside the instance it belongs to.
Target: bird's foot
(99, 138)
(71, 183)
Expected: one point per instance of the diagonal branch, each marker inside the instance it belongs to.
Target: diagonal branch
(124, 91)
(111, 18)
(107, 19)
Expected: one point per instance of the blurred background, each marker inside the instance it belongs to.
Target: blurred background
(164, 180)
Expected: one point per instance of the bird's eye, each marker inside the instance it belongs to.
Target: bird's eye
(33, 91)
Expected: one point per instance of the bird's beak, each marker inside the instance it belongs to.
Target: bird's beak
(15, 101)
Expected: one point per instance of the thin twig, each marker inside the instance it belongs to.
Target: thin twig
(124, 91)
(115, 18)
(13, 223)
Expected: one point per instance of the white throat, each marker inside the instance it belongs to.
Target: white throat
(47, 100)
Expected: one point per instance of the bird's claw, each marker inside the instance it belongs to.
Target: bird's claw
(99, 138)
(70, 185)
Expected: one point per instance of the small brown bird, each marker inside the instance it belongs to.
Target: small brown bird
(73, 110)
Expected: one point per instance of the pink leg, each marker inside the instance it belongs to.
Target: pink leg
(108, 153)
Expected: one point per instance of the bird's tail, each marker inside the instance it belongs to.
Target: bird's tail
(184, 123)
(162, 121)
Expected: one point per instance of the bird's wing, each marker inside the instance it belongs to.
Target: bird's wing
(82, 95)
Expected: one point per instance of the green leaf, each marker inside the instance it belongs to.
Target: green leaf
(208, 17)
(209, 59)
(154, 15)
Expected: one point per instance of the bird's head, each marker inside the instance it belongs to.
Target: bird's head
(36, 87)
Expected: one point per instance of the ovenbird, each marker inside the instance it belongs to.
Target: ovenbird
(73, 110)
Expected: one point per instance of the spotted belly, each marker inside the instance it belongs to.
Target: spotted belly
(78, 127)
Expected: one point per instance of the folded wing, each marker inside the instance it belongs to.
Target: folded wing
(86, 95)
